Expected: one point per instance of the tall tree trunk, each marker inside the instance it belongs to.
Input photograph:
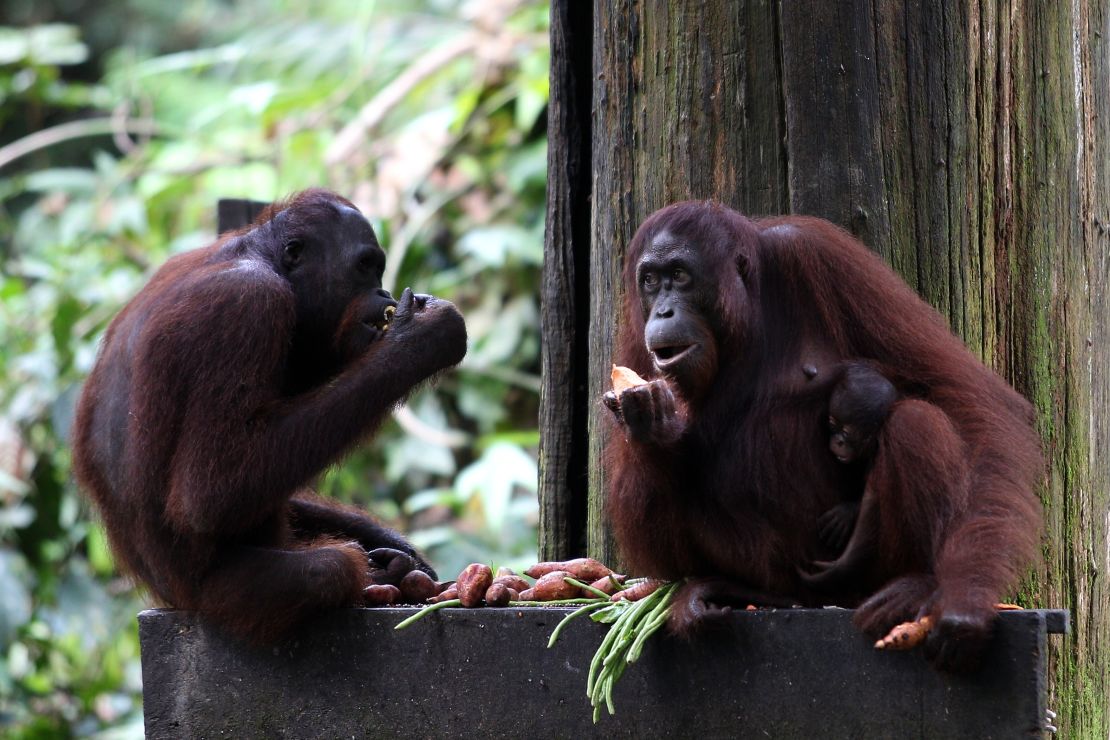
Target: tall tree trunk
(967, 142)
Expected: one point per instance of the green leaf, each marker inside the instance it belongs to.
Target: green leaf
(493, 478)
(56, 44)
(14, 45)
(73, 180)
(66, 314)
(100, 557)
(15, 584)
(494, 245)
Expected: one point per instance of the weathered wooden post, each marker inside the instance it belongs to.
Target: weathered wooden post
(234, 213)
(968, 143)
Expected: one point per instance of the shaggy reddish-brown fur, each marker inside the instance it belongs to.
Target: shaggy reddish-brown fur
(226, 386)
(733, 496)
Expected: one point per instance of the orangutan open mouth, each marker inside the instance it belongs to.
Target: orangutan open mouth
(665, 356)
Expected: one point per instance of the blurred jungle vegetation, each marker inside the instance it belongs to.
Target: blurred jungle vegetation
(122, 122)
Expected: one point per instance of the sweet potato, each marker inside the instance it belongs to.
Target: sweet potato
(553, 586)
(472, 584)
(514, 582)
(624, 378)
(381, 595)
(417, 587)
(609, 584)
(445, 595)
(542, 569)
(909, 635)
(586, 570)
(906, 635)
(497, 595)
(637, 592)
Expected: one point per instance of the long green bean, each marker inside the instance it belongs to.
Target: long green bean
(587, 587)
(574, 614)
(632, 629)
(426, 611)
(599, 656)
(557, 602)
(652, 623)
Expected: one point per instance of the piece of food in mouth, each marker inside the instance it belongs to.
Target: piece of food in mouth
(386, 320)
(624, 378)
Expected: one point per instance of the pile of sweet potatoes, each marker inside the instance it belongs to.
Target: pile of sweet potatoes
(478, 585)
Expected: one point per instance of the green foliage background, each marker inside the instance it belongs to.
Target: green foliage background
(121, 124)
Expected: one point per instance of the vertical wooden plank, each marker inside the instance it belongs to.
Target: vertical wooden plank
(687, 104)
(1059, 299)
(564, 299)
(831, 89)
(616, 36)
(1094, 693)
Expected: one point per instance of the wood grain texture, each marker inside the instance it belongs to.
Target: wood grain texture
(564, 304)
(1058, 323)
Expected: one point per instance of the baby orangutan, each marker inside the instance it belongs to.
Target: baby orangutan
(871, 425)
(858, 405)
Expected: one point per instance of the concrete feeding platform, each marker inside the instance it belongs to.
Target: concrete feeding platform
(487, 673)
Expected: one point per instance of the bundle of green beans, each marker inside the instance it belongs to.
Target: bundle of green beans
(633, 622)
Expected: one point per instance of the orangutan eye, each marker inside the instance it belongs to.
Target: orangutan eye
(292, 254)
